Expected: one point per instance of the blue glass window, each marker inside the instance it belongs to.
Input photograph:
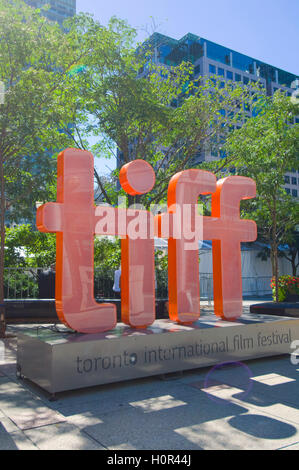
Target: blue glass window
(243, 62)
(294, 192)
(164, 50)
(245, 80)
(265, 71)
(220, 71)
(197, 70)
(287, 180)
(237, 77)
(294, 180)
(212, 68)
(285, 78)
(288, 191)
(217, 52)
(229, 75)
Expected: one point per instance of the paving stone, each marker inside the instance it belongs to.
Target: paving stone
(158, 403)
(265, 395)
(115, 396)
(63, 436)
(23, 408)
(15, 441)
(8, 370)
(155, 430)
(272, 379)
(291, 447)
(84, 419)
(280, 386)
(248, 431)
(279, 411)
(7, 424)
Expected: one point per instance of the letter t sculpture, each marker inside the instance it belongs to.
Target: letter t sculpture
(72, 217)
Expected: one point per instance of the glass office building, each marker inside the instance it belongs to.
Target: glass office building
(211, 59)
(59, 10)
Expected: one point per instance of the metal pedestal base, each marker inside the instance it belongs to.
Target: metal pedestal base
(59, 362)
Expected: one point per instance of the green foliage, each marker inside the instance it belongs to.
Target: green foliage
(106, 262)
(29, 248)
(20, 284)
(291, 238)
(35, 59)
(265, 148)
(36, 64)
(161, 260)
(161, 270)
(134, 108)
(106, 254)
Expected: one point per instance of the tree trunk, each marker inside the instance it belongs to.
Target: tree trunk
(294, 263)
(274, 249)
(2, 245)
(294, 269)
(275, 268)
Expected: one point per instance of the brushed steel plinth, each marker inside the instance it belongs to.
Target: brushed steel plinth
(66, 361)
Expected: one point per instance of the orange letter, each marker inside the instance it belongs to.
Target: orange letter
(73, 219)
(183, 266)
(137, 250)
(226, 231)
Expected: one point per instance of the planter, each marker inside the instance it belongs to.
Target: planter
(292, 298)
(280, 309)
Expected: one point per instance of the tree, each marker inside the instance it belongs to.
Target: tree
(292, 240)
(137, 109)
(29, 248)
(265, 148)
(36, 59)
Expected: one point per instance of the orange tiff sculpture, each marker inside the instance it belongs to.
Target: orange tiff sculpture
(76, 220)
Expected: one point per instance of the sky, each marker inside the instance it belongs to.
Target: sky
(267, 30)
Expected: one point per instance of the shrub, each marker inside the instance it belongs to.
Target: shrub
(287, 285)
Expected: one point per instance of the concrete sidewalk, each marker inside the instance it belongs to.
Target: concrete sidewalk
(242, 406)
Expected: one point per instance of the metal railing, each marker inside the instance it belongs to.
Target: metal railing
(21, 283)
(38, 283)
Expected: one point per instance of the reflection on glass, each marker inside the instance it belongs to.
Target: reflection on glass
(217, 52)
(243, 62)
